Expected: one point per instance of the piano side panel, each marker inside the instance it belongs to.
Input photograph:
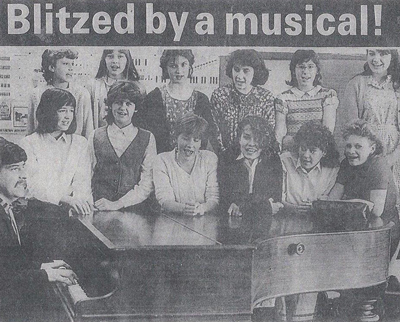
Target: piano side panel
(203, 281)
(331, 261)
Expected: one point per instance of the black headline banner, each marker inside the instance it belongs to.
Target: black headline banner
(200, 23)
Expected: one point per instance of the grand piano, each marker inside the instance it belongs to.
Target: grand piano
(141, 266)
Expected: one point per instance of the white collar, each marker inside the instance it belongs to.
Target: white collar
(312, 92)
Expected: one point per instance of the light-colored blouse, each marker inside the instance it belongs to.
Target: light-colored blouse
(172, 183)
(57, 167)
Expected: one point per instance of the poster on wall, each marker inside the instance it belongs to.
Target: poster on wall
(221, 224)
(20, 116)
(5, 110)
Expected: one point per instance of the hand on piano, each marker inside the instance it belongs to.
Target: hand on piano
(57, 263)
(80, 206)
(104, 204)
(234, 210)
(63, 275)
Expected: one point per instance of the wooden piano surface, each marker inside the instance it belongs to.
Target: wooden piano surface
(167, 267)
(177, 268)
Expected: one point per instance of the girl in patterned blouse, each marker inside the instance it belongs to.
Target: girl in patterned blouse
(244, 96)
(305, 101)
(165, 104)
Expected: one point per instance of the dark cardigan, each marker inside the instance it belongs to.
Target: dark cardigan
(234, 187)
(153, 117)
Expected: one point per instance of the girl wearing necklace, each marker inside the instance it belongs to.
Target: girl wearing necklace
(185, 179)
(115, 64)
(165, 104)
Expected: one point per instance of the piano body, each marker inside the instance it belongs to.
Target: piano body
(134, 267)
(141, 267)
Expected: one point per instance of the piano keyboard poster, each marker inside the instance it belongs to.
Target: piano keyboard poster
(338, 31)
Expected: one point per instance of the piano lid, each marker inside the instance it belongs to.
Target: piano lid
(129, 229)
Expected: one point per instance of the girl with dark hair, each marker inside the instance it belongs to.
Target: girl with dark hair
(310, 171)
(58, 165)
(165, 104)
(306, 101)
(121, 154)
(115, 64)
(185, 179)
(58, 69)
(374, 96)
(251, 172)
(244, 96)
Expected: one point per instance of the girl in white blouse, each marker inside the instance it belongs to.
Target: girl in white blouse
(58, 165)
(185, 178)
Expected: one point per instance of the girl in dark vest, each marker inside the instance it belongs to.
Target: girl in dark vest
(122, 154)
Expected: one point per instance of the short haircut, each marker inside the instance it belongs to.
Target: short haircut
(169, 54)
(10, 153)
(122, 90)
(263, 134)
(50, 57)
(130, 72)
(190, 124)
(51, 101)
(252, 58)
(363, 129)
(303, 56)
(314, 134)
(393, 69)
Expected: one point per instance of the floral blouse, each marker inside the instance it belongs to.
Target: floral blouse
(229, 107)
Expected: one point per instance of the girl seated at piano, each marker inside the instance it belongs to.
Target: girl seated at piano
(309, 173)
(58, 166)
(185, 178)
(365, 174)
(251, 172)
(121, 154)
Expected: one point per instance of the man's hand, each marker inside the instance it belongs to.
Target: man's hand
(63, 275)
(55, 264)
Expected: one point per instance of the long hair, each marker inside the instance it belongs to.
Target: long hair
(303, 56)
(50, 102)
(252, 58)
(129, 73)
(393, 69)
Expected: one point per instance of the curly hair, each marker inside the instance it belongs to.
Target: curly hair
(10, 153)
(50, 57)
(130, 72)
(252, 58)
(263, 134)
(314, 134)
(393, 69)
(51, 101)
(303, 56)
(121, 90)
(190, 124)
(363, 129)
(169, 54)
